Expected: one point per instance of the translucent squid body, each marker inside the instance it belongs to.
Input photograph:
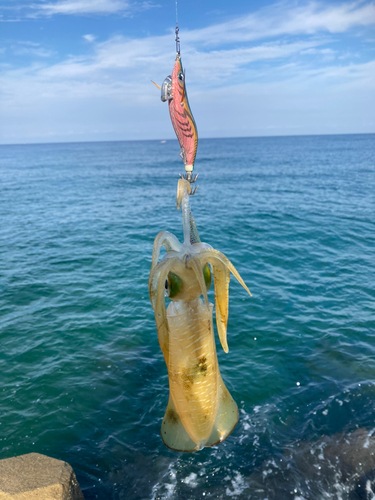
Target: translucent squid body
(200, 412)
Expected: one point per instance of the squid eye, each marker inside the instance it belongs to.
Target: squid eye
(174, 285)
(181, 77)
(207, 276)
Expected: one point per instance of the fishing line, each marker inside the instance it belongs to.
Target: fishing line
(176, 31)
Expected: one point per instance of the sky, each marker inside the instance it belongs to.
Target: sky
(81, 70)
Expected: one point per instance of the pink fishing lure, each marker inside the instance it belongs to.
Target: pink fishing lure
(182, 118)
(173, 90)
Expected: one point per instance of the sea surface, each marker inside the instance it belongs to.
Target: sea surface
(82, 377)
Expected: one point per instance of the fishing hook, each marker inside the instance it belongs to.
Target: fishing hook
(190, 178)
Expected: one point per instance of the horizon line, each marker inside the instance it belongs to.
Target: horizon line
(175, 139)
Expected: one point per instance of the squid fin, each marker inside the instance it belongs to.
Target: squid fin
(156, 85)
(173, 433)
(227, 416)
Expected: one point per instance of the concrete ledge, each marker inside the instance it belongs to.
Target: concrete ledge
(37, 477)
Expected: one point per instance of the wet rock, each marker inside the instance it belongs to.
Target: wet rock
(350, 454)
(37, 477)
(337, 466)
(364, 488)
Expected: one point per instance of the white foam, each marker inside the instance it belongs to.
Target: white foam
(367, 442)
(191, 480)
(369, 491)
(169, 487)
(238, 485)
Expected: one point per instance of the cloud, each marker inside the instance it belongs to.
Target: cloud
(86, 7)
(326, 54)
(142, 59)
(285, 19)
(27, 48)
(89, 38)
(300, 100)
(283, 74)
(76, 7)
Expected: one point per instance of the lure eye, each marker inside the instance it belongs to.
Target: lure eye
(181, 77)
(173, 285)
(207, 276)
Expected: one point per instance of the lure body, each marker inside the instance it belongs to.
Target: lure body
(201, 412)
(181, 116)
(173, 90)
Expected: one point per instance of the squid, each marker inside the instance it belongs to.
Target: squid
(200, 412)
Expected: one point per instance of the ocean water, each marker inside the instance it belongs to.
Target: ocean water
(82, 376)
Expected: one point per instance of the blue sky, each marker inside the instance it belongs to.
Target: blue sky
(80, 70)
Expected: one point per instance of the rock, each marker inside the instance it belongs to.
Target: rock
(37, 477)
(341, 466)
(364, 487)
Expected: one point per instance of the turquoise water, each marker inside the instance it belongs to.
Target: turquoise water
(82, 375)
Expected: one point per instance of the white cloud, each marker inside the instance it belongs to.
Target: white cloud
(89, 38)
(48, 8)
(338, 99)
(141, 60)
(280, 19)
(324, 54)
(28, 48)
(69, 7)
(279, 86)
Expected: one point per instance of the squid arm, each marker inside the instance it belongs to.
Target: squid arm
(169, 241)
(221, 268)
